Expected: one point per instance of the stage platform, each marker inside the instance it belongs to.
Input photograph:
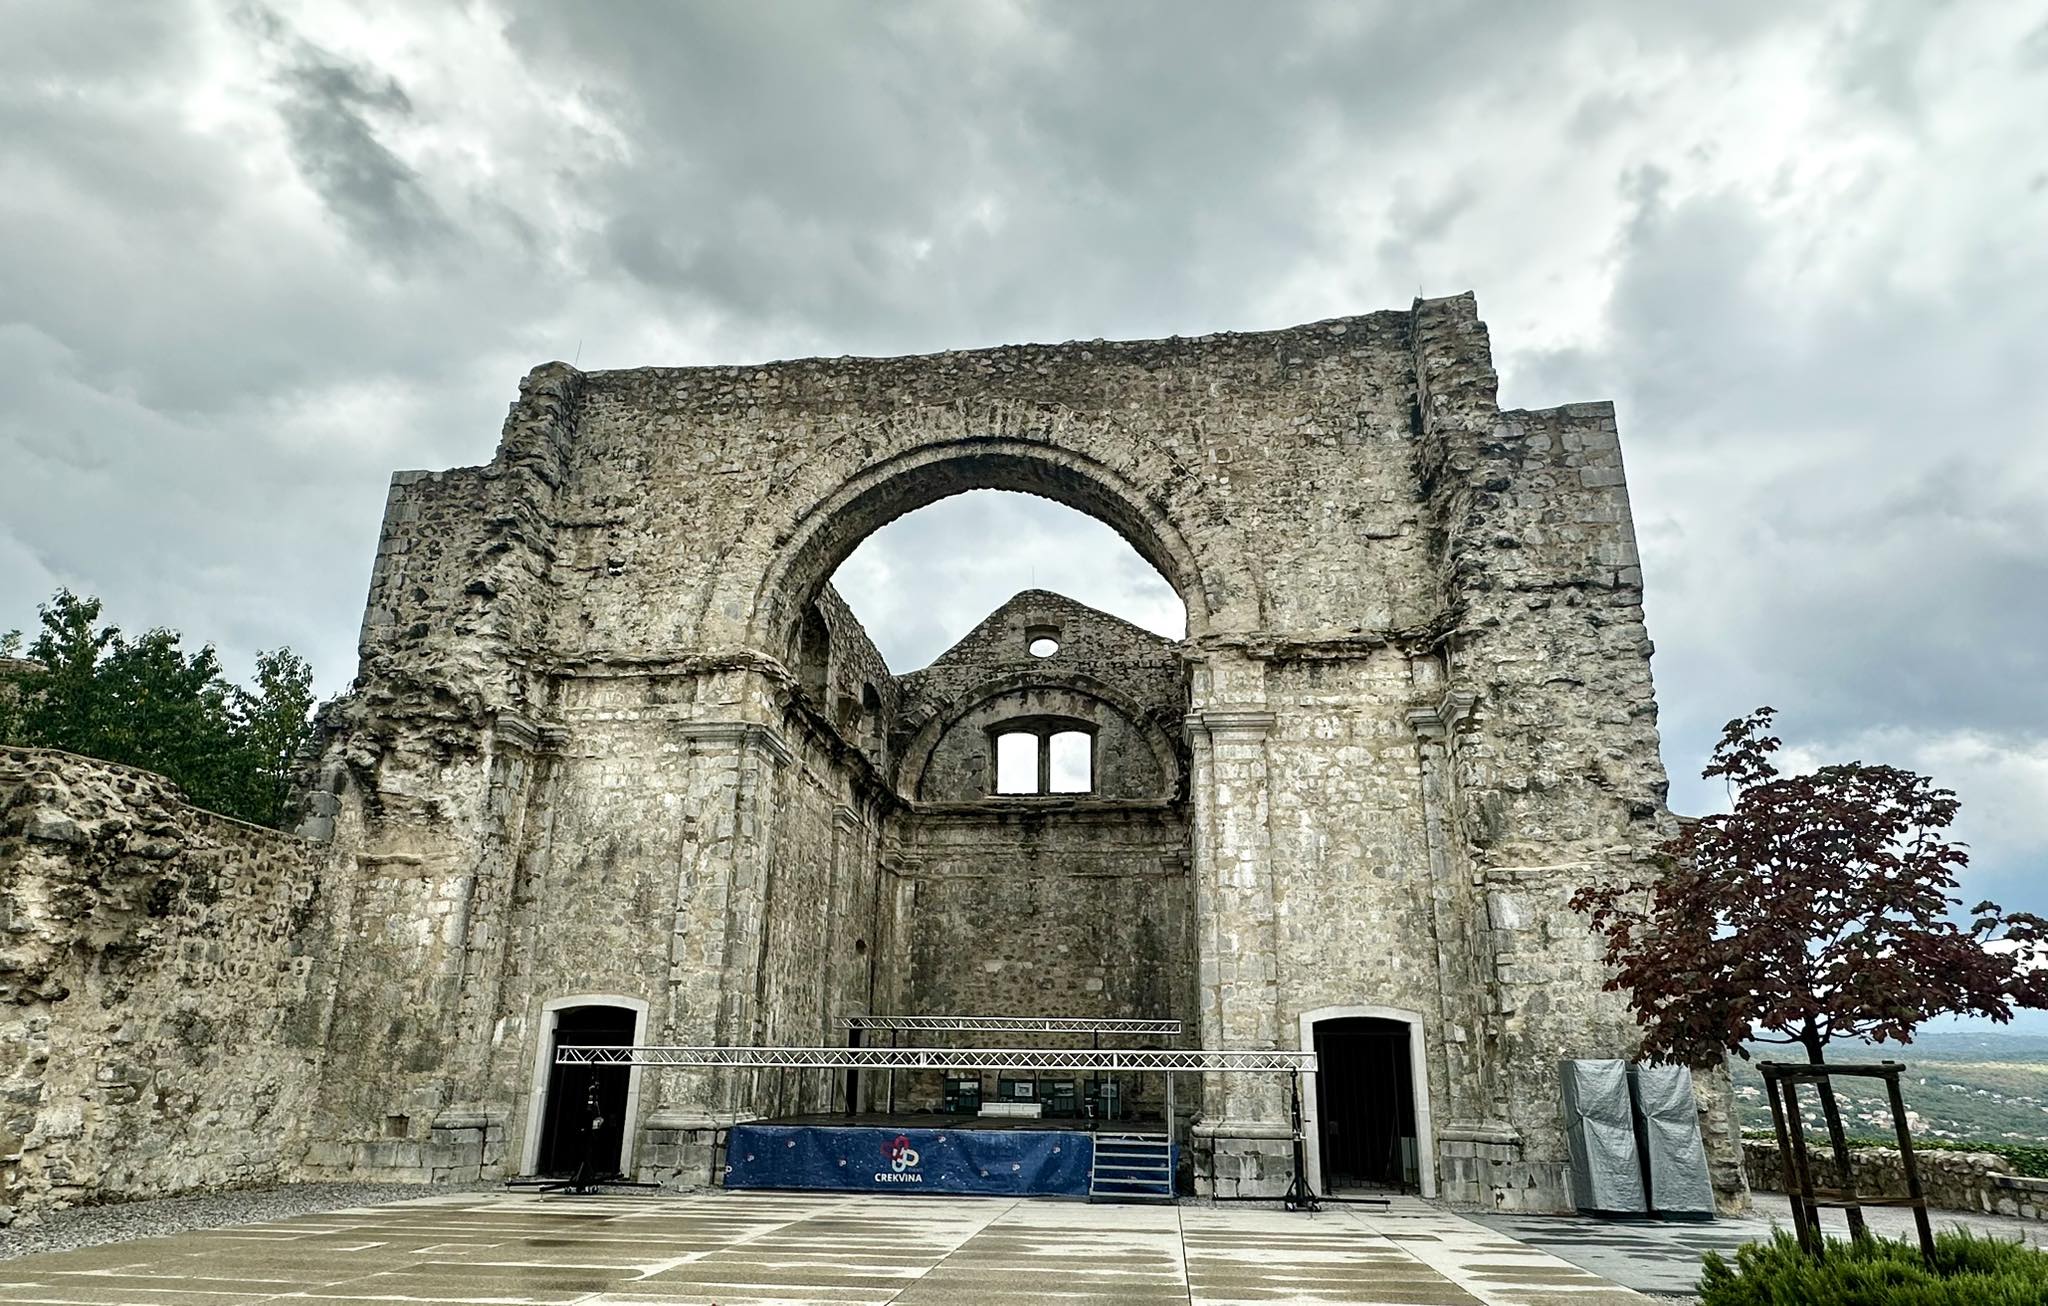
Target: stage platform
(961, 1120)
(929, 1153)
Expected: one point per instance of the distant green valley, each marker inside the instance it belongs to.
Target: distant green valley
(1958, 1087)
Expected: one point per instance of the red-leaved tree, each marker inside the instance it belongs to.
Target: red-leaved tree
(1818, 908)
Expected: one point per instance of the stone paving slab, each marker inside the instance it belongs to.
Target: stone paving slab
(523, 1249)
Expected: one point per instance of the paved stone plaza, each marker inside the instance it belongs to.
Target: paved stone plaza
(524, 1250)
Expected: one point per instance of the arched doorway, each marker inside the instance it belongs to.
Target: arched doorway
(581, 1115)
(1366, 1111)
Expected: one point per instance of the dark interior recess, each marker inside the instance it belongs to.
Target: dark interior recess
(579, 1095)
(1365, 1103)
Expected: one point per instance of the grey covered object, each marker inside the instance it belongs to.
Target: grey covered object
(1672, 1151)
(1600, 1133)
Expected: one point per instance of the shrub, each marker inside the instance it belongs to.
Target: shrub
(1968, 1270)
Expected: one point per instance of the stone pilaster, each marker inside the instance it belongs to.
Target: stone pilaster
(1243, 1139)
(719, 934)
(1454, 898)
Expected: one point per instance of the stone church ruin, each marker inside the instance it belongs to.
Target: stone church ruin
(620, 767)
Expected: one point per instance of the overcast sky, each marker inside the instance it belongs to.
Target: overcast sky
(255, 258)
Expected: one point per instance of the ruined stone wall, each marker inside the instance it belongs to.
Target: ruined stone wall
(1072, 908)
(1548, 757)
(1125, 685)
(1413, 712)
(689, 487)
(849, 685)
(1077, 912)
(421, 795)
(661, 847)
(1094, 648)
(155, 1030)
(1048, 905)
(1982, 1182)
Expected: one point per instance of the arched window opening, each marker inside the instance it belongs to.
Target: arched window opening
(1017, 762)
(814, 655)
(1046, 755)
(1070, 759)
(870, 719)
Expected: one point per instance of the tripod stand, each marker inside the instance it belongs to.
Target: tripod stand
(1299, 1196)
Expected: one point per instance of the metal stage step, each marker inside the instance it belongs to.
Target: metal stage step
(1131, 1167)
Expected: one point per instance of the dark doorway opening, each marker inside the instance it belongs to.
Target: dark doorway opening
(1365, 1104)
(583, 1124)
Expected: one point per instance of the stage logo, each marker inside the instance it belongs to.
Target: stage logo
(903, 1161)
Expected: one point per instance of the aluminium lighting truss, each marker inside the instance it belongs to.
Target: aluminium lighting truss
(1018, 1024)
(1198, 1060)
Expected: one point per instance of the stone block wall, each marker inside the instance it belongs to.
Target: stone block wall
(1548, 770)
(1984, 1183)
(1077, 912)
(156, 1030)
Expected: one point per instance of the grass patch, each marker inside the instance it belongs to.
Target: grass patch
(1969, 1270)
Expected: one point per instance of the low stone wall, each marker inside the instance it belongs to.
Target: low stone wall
(1982, 1182)
(157, 1034)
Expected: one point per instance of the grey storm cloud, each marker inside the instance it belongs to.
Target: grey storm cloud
(326, 111)
(254, 259)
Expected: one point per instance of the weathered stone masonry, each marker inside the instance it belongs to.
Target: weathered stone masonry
(614, 738)
(159, 1029)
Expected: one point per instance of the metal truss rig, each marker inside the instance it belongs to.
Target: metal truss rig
(1197, 1060)
(1017, 1024)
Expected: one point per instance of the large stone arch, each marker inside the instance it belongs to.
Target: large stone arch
(1203, 565)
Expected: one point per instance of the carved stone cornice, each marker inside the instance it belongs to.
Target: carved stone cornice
(741, 735)
(1441, 721)
(515, 731)
(1229, 724)
(1317, 645)
(846, 818)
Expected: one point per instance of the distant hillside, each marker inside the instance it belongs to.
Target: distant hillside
(1985, 1087)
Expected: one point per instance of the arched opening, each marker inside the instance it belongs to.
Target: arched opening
(813, 665)
(581, 1116)
(870, 720)
(831, 529)
(1365, 1110)
(1031, 683)
(922, 582)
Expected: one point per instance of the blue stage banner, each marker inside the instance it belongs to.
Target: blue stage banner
(1003, 1162)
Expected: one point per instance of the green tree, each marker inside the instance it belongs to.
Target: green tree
(62, 703)
(86, 688)
(274, 723)
(11, 676)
